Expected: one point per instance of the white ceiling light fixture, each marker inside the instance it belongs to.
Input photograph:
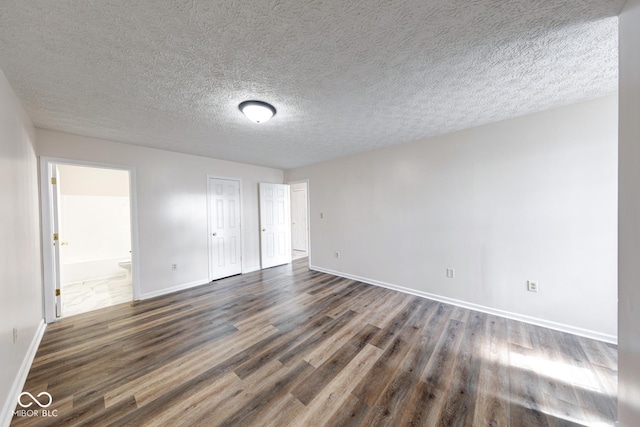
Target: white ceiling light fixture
(257, 111)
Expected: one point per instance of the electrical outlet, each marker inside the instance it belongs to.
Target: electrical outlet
(174, 266)
(532, 286)
(451, 273)
(15, 334)
(337, 254)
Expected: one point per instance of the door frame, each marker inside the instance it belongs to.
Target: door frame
(210, 228)
(308, 182)
(48, 254)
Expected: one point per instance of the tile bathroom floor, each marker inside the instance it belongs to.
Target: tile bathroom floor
(82, 297)
(295, 254)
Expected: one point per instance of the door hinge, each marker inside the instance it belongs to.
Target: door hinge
(53, 180)
(55, 237)
(57, 292)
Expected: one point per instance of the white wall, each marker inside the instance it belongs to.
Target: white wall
(532, 198)
(92, 181)
(629, 218)
(172, 205)
(96, 234)
(20, 267)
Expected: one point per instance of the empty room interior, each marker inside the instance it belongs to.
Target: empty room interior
(320, 213)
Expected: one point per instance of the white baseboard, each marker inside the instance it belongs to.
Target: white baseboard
(184, 286)
(172, 289)
(18, 384)
(489, 310)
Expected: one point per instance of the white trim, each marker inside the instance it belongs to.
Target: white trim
(135, 252)
(209, 178)
(47, 251)
(46, 221)
(165, 291)
(18, 384)
(471, 306)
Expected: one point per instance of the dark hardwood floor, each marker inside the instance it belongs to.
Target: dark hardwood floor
(292, 347)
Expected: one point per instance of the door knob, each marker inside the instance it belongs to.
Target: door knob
(264, 229)
(214, 234)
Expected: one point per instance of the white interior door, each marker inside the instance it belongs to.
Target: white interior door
(299, 219)
(225, 236)
(55, 226)
(275, 224)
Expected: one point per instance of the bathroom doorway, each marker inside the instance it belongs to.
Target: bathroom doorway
(299, 219)
(92, 238)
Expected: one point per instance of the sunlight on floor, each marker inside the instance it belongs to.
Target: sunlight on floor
(558, 371)
(553, 384)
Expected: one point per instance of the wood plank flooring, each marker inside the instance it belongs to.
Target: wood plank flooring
(292, 347)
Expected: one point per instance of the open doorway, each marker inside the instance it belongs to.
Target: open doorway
(95, 238)
(299, 219)
(88, 218)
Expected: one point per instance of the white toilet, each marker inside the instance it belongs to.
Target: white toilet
(126, 264)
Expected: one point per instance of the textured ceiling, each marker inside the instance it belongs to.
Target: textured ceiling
(345, 76)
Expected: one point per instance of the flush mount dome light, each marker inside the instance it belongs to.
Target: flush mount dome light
(257, 111)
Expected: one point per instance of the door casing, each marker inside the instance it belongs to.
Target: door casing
(49, 254)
